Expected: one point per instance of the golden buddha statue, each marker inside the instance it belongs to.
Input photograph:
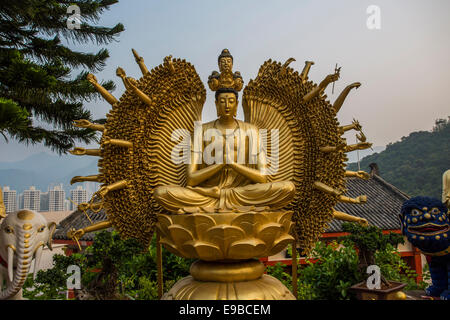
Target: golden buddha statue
(235, 179)
(265, 198)
(228, 184)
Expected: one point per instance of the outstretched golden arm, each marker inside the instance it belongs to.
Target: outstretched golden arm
(85, 152)
(358, 174)
(83, 123)
(340, 100)
(305, 71)
(132, 84)
(77, 234)
(321, 87)
(354, 126)
(140, 62)
(91, 178)
(339, 215)
(105, 93)
(122, 75)
(358, 146)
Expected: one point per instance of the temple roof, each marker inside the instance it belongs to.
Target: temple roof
(78, 220)
(383, 205)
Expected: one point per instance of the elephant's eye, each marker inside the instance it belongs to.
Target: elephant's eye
(41, 229)
(415, 212)
(9, 229)
(435, 211)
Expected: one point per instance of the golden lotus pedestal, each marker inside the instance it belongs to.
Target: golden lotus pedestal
(227, 246)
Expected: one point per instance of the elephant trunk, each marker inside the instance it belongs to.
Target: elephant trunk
(37, 260)
(24, 254)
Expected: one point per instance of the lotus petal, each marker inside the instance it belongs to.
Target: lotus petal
(204, 250)
(180, 234)
(285, 219)
(223, 235)
(269, 232)
(172, 248)
(246, 249)
(280, 243)
(249, 221)
(198, 224)
(163, 224)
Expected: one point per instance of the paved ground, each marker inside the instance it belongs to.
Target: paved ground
(417, 295)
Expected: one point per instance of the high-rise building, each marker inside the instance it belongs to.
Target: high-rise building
(10, 199)
(44, 201)
(79, 195)
(32, 199)
(56, 198)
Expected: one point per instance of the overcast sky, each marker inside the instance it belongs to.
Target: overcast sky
(403, 67)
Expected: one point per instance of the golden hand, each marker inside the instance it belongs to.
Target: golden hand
(364, 145)
(356, 125)
(78, 151)
(131, 82)
(91, 78)
(363, 175)
(75, 179)
(361, 199)
(120, 72)
(329, 79)
(82, 123)
(102, 191)
(75, 234)
(363, 222)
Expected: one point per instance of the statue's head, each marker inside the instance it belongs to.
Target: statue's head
(225, 61)
(226, 102)
(425, 223)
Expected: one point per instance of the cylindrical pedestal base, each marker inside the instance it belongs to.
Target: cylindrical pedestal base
(242, 280)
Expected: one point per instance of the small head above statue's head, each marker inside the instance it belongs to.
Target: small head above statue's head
(225, 61)
(226, 102)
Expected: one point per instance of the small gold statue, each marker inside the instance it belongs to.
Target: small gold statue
(226, 78)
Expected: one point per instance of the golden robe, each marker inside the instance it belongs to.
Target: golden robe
(229, 189)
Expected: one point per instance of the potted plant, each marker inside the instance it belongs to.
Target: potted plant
(368, 240)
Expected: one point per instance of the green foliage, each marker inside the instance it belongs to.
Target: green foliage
(394, 268)
(12, 117)
(111, 268)
(416, 163)
(332, 269)
(35, 70)
(333, 273)
(51, 283)
(369, 238)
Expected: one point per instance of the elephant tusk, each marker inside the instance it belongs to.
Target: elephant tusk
(37, 261)
(10, 263)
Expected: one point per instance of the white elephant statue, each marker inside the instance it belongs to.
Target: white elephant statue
(23, 235)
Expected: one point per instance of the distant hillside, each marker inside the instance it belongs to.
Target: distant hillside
(416, 163)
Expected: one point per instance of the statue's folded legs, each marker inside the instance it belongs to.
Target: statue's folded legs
(274, 195)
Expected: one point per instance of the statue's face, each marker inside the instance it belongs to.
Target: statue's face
(225, 64)
(426, 224)
(226, 105)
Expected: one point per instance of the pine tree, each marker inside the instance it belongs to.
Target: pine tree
(36, 85)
